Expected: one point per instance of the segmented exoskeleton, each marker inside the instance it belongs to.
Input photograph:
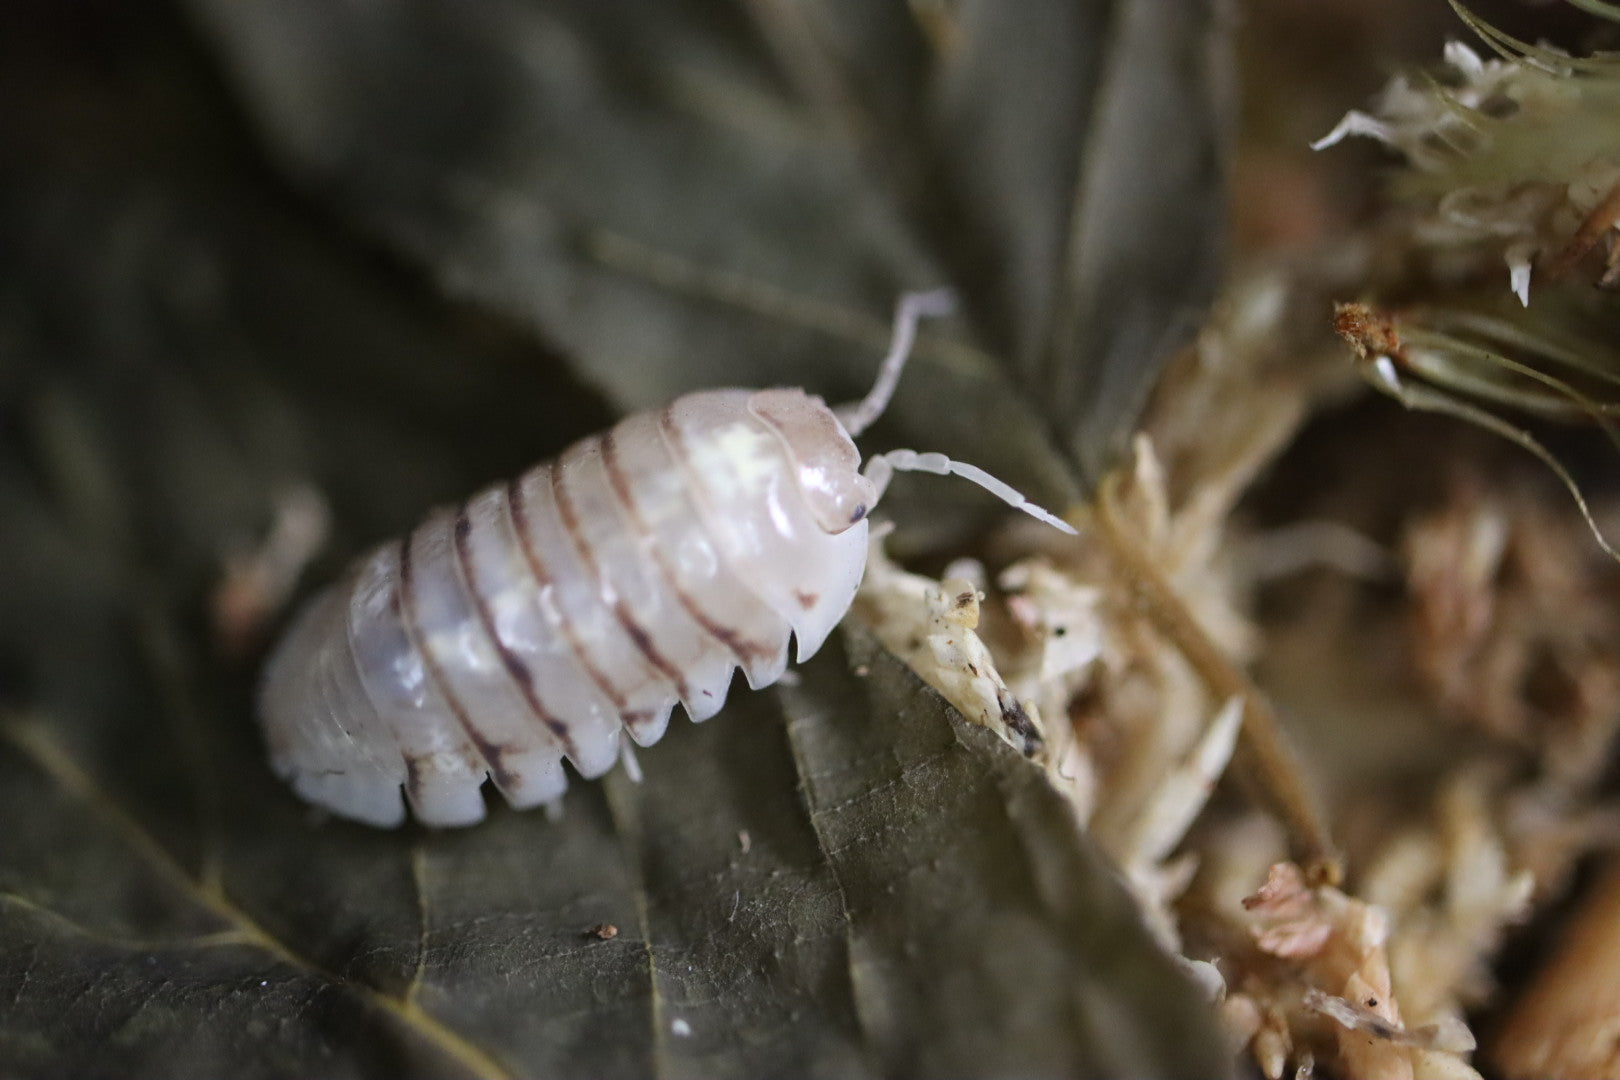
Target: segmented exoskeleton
(544, 616)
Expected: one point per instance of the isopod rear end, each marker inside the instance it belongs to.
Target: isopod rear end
(324, 735)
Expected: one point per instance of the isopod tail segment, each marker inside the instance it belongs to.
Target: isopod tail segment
(856, 417)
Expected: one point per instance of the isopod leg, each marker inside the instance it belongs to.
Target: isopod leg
(632, 767)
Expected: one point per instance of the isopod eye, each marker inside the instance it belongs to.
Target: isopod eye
(828, 465)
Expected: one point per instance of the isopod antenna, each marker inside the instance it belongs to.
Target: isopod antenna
(880, 469)
(913, 308)
(858, 416)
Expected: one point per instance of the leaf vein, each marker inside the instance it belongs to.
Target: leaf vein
(683, 277)
(68, 925)
(625, 824)
(60, 767)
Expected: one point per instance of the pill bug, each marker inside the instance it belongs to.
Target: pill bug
(544, 616)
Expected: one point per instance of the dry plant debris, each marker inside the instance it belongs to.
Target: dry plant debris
(1568, 1020)
(1507, 633)
(1520, 155)
(258, 579)
(1504, 637)
(930, 625)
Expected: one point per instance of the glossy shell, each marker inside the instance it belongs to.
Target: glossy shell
(546, 615)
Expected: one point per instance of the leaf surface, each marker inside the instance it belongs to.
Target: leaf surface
(708, 195)
(839, 879)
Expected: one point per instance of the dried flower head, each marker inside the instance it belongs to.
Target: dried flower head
(1518, 155)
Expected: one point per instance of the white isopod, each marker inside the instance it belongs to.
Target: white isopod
(588, 596)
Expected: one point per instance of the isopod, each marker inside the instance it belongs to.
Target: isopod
(544, 616)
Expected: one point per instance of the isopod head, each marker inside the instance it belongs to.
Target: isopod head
(826, 462)
(780, 484)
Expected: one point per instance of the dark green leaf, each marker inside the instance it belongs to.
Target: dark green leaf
(701, 194)
(842, 879)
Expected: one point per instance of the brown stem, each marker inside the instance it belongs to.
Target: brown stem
(1603, 217)
(1266, 759)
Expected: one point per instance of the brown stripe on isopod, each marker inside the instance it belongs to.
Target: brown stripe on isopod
(621, 611)
(669, 426)
(519, 506)
(671, 430)
(740, 646)
(514, 664)
(693, 484)
(409, 618)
